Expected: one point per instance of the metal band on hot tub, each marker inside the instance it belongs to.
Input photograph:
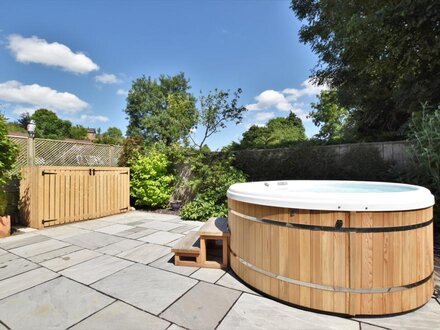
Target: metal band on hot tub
(328, 287)
(328, 228)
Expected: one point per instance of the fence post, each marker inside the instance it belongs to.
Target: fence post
(31, 151)
(111, 155)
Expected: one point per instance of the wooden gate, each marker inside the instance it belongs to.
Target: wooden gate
(54, 195)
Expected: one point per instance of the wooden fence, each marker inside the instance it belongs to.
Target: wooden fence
(53, 195)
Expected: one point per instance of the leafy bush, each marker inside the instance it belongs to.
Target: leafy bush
(213, 174)
(151, 179)
(424, 138)
(8, 155)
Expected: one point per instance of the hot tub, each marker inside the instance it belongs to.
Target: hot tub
(347, 247)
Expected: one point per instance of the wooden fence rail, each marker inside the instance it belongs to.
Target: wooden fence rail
(53, 195)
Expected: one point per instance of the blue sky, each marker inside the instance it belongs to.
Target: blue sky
(80, 57)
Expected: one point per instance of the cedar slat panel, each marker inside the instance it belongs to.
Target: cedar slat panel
(68, 194)
(351, 260)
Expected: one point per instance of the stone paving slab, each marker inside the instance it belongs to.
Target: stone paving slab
(25, 281)
(230, 280)
(145, 253)
(161, 237)
(92, 240)
(208, 274)
(426, 317)
(160, 225)
(183, 229)
(366, 326)
(141, 233)
(62, 231)
(54, 254)
(70, 260)
(202, 307)
(113, 229)
(57, 304)
(255, 312)
(6, 257)
(175, 327)
(167, 263)
(15, 266)
(120, 316)
(95, 269)
(39, 248)
(91, 224)
(147, 288)
(14, 242)
(119, 247)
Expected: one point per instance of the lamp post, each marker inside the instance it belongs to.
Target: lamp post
(31, 142)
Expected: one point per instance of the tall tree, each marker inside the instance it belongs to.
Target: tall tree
(382, 57)
(49, 126)
(331, 118)
(161, 110)
(278, 132)
(78, 132)
(113, 135)
(216, 110)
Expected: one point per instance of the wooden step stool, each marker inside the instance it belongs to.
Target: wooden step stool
(194, 248)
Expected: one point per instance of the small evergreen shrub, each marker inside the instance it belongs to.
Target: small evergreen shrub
(8, 155)
(151, 179)
(213, 174)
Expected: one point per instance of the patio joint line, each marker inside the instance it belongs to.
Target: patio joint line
(4, 324)
(227, 312)
(92, 313)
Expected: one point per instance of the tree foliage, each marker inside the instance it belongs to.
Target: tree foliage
(216, 110)
(278, 132)
(382, 57)
(78, 132)
(331, 118)
(8, 156)
(113, 135)
(49, 126)
(161, 110)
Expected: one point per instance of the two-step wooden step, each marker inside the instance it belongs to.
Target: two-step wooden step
(206, 248)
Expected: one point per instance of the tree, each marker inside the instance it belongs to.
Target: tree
(216, 110)
(330, 117)
(113, 135)
(380, 56)
(78, 132)
(24, 120)
(8, 153)
(49, 126)
(278, 132)
(14, 127)
(161, 110)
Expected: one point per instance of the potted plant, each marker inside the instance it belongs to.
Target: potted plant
(8, 155)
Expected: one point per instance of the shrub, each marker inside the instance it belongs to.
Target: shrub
(424, 138)
(8, 155)
(213, 174)
(151, 179)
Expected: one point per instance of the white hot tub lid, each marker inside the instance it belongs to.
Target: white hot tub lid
(333, 195)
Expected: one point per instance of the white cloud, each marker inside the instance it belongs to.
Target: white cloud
(309, 89)
(21, 110)
(284, 100)
(40, 97)
(270, 99)
(122, 92)
(36, 50)
(107, 78)
(263, 116)
(93, 118)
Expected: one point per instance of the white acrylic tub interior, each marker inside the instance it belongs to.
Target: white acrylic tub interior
(333, 195)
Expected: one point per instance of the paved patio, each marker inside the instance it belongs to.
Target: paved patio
(117, 273)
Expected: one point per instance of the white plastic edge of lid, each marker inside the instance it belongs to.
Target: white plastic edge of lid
(263, 193)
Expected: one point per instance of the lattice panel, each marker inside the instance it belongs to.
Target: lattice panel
(65, 153)
(22, 144)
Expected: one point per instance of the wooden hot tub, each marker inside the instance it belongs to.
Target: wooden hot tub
(355, 248)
